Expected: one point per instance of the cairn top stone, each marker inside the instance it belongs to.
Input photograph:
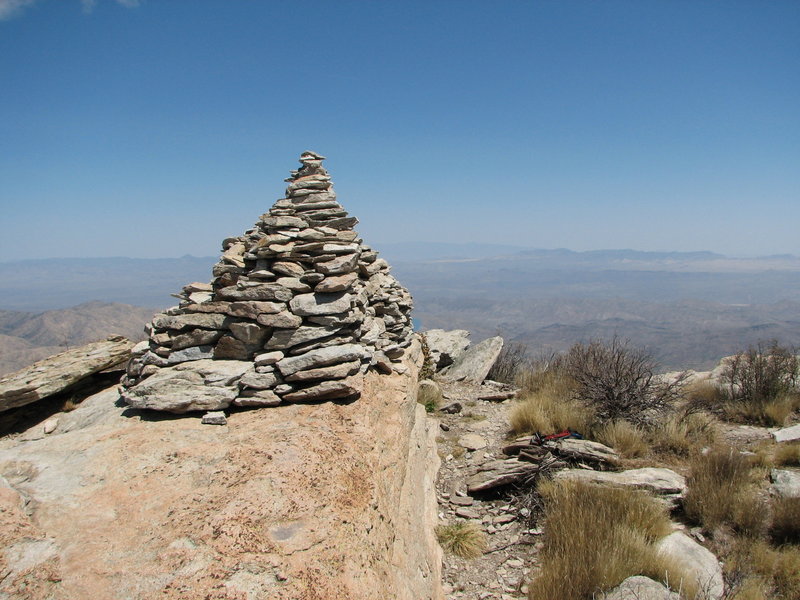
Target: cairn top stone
(309, 155)
(300, 283)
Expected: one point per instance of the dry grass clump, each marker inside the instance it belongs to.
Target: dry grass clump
(721, 491)
(760, 571)
(771, 413)
(785, 525)
(70, 404)
(681, 433)
(546, 404)
(786, 455)
(546, 374)
(704, 396)
(626, 438)
(464, 539)
(429, 394)
(547, 411)
(596, 536)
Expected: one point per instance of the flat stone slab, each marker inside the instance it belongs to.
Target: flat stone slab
(321, 357)
(320, 304)
(472, 441)
(659, 481)
(57, 373)
(787, 434)
(585, 450)
(214, 417)
(326, 390)
(499, 473)
(198, 385)
(474, 365)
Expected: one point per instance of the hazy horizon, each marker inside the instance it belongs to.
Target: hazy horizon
(496, 250)
(152, 129)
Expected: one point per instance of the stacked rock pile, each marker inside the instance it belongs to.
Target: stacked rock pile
(299, 295)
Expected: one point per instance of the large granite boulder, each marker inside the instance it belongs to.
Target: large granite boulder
(444, 347)
(696, 561)
(474, 365)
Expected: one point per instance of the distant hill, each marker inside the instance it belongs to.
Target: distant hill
(26, 337)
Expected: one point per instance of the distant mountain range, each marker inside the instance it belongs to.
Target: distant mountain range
(689, 308)
(27, 337)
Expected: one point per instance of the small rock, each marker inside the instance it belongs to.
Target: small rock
(467, 513)
(50, 425)
(503, 519)
(444, 427)
(462, 500)
(452, 408)
(472, 441)
(214, 417)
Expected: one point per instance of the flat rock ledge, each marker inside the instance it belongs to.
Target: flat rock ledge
(663, 483)
(296, 502)
(61, 371)
(787, 434)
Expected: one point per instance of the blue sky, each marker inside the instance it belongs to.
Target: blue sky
(157, 128)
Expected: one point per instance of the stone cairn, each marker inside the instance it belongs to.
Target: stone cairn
(300, 297)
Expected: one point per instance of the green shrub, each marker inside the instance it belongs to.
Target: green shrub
(761, 384)
(618, 381)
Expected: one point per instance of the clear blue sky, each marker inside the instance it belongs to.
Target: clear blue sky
(156, 128)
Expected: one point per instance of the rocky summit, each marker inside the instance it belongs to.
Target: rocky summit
(299, 308)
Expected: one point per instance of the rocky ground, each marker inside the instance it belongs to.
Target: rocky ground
(473, 432)
(467, 439)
